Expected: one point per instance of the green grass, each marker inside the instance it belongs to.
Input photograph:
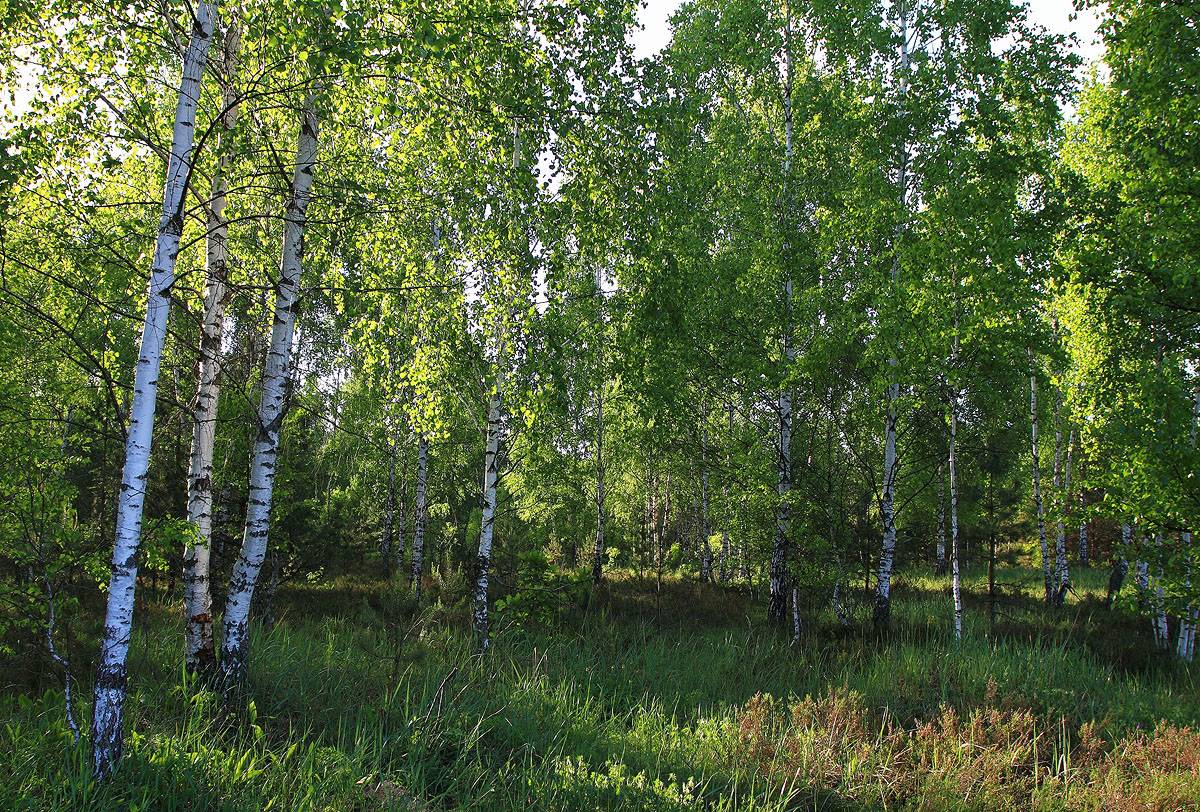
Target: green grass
(675, 701)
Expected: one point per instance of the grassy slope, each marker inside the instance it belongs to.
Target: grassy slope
(673, 701)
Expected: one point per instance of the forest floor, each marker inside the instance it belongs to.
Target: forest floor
(679, 699)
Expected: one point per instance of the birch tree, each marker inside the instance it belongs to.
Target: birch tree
(272, 405)
(110, 690)
(200, 653)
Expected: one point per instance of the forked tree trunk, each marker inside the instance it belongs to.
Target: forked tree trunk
(491, 473)
(110, 688)
(199, 650)
(419, 517)
(235, 645)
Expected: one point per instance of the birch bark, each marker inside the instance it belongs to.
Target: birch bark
(419, 517)
(777, 606)
(110, 688)
(235, 643)
(941, 521)
(491, 472)
(887, 556)
(954, 564)
(1035, 473)
(599, 550)
(199, 650)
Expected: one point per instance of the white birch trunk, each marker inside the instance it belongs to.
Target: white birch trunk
(887, 507)
(199, 650)
(795, 616)
(1162, 635)
(705, 528)
(419, 517)
(1061, 494)
(1035, 474)
(777, 606)
(491, 472)
(941, 522)
(1187, 624)
(955, 583)
(235, 645)
(599, 551)
(110, 688)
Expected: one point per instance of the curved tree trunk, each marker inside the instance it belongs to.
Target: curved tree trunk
(110, 685)
(235, 645)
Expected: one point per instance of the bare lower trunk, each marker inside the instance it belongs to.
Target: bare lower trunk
(941, 522)
(887, 556)
(110, 688)
(1061, 495)
(418, 548)
(599, 550)
(705, 529)
(795, 616)
(954, 570)
(235, 645)
(491, 473)
(779, 552)
(199, 650)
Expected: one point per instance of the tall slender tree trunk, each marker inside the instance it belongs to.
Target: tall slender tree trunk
(491, 473)
(705, 528)
(777, 607)
(955, 584)
(110, 688)
(271, 408)
(199, 650)
(1185, 647)
(419, 515)
(887, 507)
(599, 551)
(941, 522)
(726, 554)
(1035, 473)
(1061, 494)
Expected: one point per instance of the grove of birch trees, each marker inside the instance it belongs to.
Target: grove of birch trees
(472, 297)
